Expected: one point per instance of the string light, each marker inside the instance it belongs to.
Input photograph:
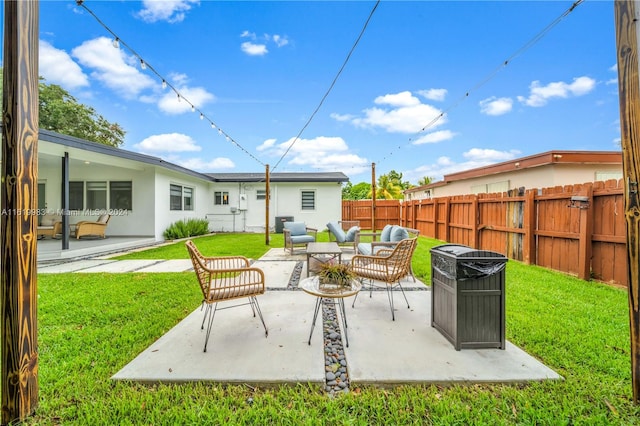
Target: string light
(491, 75)
(145, 65)
(335, 79)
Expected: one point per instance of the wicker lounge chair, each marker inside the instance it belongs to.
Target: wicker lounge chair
(226, 278)
(50, 226)
(97, 228)
(388, 266)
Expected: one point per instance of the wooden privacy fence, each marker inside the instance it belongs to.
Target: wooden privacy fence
(577, 229)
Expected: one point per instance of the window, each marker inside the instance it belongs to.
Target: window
(120, 195)
(180, 197)
(97, 195)
(187, 197)
(261, 194)
(221, 198)
(308, 200)
(76, 195)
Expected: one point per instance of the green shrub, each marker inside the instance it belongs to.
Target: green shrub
(186, 228)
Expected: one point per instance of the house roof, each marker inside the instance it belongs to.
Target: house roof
(81, 144)
(98, 148)
(536, 160)
(280, 177)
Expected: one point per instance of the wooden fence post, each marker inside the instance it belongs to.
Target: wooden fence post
(627, 33)
(586, 236)
(19, 348)
(529, 223)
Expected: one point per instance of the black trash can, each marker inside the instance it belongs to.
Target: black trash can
(280, 220)
(468, 295)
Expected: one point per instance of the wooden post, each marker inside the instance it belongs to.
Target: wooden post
(19, 198)
(586, 237)
(530, 223)
(267, 199)
(373, 197)
(627, 33)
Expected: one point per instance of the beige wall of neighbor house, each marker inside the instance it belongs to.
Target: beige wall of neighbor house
(554, 168)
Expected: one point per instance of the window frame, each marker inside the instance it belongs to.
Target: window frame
(307, 192)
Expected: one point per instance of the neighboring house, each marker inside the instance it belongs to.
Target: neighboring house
(548, 169)
(145, 194)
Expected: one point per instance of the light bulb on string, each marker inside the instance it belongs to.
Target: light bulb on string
(201, 116)
(143, 66)
(164, 84)
(116, 43)
(213, 126)
(193, 109)
(179, 99)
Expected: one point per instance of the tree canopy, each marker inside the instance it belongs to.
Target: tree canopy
(60, 112)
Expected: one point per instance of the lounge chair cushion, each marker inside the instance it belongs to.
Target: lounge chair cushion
(385, 235)
(337, 231)
(398, 233)
(365, 248)
(296, 228)
(103, 218)
(301, 239)
(351, 234)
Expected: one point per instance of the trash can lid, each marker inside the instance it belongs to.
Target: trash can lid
(459, 250)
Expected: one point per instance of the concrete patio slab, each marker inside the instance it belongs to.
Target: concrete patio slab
(408, 350)
(238, 351)
(276, 274)
(76, 266)
(119, 266)
(177, 265)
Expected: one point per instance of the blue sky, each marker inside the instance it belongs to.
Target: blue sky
(258, 71)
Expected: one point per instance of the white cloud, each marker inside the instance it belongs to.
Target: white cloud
(165, 10)
(112, 67)
(269, 143)
(280, 40)
(435, 137)
(198, 164)
(57, 67)
(323, 153)
(399, 113)
(489, 155)
(402, 99)
(341, 117)
(253, 49)
(168, 142)
(249, 34)
(434, 94)
(496, 106)
(539, 95)
(169, 103)
(475, 157)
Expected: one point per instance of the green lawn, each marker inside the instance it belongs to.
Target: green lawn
(91, 325)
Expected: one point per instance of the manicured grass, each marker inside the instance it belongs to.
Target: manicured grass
(91, 325)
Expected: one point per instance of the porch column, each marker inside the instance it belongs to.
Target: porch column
(65, 201)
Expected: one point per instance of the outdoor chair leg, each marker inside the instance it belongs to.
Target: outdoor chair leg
(390, 297)
(256, 308)
(212, 314)
(405, 296)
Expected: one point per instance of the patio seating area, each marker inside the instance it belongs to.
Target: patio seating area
(381, 352)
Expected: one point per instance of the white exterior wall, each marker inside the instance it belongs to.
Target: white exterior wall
(286, 200)
(136, 222)
(535, 177)
(202, 200)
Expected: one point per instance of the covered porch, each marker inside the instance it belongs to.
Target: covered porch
(50, 249)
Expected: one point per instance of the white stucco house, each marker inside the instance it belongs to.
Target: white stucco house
(547, 169)
(145, 194)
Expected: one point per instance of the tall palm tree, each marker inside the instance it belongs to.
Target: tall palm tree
(424, 181)
(388, 188)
